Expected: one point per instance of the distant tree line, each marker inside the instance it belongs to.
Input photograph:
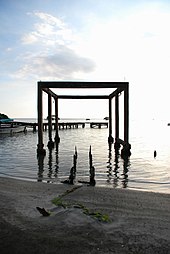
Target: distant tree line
(3, 116)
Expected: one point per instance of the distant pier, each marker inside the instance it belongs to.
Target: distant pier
(70, 125)
(98, 124)
(65, 125)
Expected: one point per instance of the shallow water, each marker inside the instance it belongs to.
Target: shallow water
(18, 157)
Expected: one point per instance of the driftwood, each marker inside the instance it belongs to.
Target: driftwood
(92, 181)
(43, 211)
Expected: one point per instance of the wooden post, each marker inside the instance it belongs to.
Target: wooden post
(40, 149)
(49, 117)
(50, 142)
(110, 138)
(57, 138)
(117, 145)
(126, 114)
(126, 148)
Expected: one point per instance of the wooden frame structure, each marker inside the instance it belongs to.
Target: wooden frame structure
(119, 87)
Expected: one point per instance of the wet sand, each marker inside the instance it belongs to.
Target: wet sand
(138, 222)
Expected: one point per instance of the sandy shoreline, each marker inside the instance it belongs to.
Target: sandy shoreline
(139, 222)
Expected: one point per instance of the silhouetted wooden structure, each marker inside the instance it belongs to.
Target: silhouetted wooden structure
(118, 88)
(98, 124)
(61, 125)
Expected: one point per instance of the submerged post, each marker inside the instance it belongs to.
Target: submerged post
(40, 146)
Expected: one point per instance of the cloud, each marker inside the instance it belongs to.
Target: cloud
(64, 63)
(30, 38)
(51, 20)
(49, 30)
(50, 52)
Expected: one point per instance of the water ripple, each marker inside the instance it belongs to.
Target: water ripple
(141, 171)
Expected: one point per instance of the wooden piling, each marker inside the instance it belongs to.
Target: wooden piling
(40, 146)
(92, 169)
(116, 118)
(110, 138)
(57, 138)
(118, 88)
(49, 117)
(126, 114)
(50, 142)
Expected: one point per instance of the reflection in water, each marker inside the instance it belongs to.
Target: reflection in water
(113, 177)
(113, 171)
(116, 167)
(40, 158)
(50, 170)
(18, 157)
(56, 166)
(109, 166)
(50, 165)
(126, 165)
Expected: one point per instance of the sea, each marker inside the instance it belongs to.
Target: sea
(141, 171)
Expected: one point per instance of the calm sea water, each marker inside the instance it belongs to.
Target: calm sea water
(18, 157)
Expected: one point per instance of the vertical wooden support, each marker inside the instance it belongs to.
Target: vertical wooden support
(57, 138)
(40, 149)
(110, 138)
(126, 114)
(49, 117)
(116, 118)
(50, 142)
(126, 148)
(121, 87)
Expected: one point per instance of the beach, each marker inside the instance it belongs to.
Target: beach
(84, 219)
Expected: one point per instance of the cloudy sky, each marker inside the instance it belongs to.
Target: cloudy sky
(96, 40)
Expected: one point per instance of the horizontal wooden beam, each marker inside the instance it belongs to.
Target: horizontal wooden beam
(81, 84)
(48, 91)
(83, 97)
(116, 92)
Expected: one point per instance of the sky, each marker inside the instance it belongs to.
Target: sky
(90, 40)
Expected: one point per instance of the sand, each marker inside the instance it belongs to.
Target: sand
(137, 222)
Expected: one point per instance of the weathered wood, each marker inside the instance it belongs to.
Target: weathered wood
(49, 117)
(116, 117)
(48, 91)
(83, 97)
(120, 87)
(110, 138)
(121, 142)
(66, 125)
(57, 138)
(81, 84)
(40, 149)
(126, 114)
(116, 92)
(98, 124)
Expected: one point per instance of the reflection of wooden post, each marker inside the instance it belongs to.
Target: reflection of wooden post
(57, 139)
(110, 138)
(40, 149)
